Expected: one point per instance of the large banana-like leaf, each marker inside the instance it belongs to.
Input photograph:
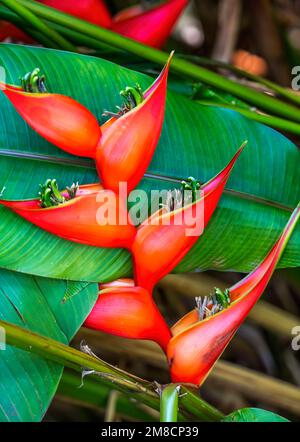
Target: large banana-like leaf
(253, 415)
(196, 140)
(27, 381)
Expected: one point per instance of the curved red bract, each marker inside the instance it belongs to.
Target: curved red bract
(151, 27)
(129, 312)
(59, 119)
(79, 219)
(159, 246)
(128, 143)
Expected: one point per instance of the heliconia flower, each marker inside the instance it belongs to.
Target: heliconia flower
(58, 118)
(162, 241)
(93, 11)
(201, 336)
(151, 27)
(88, 215)
(128, 142)
(125, 310)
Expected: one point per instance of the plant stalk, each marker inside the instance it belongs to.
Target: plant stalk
(169, 403)
(139, 389)
(270, 120)
(22, 11)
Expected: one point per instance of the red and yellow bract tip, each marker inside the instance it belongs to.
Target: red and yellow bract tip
(151, 27)
(129, 142)
(123, 149)
(197, 345)
(159, 246)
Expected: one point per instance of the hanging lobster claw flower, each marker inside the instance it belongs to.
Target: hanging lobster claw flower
(201, 336)
(128, 143)
(151, 27)
(58, 118)
(130, 312)
(162, 242)
(89, 215)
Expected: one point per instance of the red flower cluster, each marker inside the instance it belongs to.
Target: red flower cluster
(122, 149)
(149, 26)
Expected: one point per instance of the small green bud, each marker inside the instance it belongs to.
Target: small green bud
(34, 83)
(193, 185)
(50, 195)
(222, 297)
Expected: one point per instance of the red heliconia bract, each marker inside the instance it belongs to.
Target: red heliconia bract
(128, 311)
(197, 345)
(151, 27)
(59, 119)
(159, 246)
(128, 143)
(92, 217)
(93, 11)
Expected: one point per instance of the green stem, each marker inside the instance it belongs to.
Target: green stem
(73, 36)
(169, 403)
(38, 24)
(280, 90)
(77, 38)
(94, 394)
(276, 122)
(139, 389)
(7, 15)
(178, 65)
(41, 38)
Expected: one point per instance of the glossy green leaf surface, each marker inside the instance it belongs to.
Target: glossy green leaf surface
(253, 415)
(196, 141)
(28, 381)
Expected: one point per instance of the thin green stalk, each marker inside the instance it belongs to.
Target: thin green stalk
(180, 66)
(94, 394)
(77, 38)
(280, 90)
(169, 403)
(189, 401)
(41, 38)
(276, 122)
(76, 360)
(72, 36)
(7, 15)
(81, 39)
(38, 24)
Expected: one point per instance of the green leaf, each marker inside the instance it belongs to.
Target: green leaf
(196, 141)
(28, 381)
(253, 415)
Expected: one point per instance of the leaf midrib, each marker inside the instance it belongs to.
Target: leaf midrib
(89, 164)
